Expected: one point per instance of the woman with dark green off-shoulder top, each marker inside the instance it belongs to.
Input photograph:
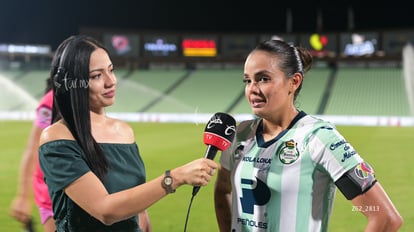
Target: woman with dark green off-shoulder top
(91, 162)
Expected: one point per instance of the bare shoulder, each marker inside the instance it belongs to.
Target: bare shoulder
(123, 130)
(54, 132)
(121, 125)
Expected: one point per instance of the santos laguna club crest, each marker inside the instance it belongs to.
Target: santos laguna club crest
(288, 153)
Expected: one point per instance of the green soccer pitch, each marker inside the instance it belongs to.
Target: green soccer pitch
(166, 145)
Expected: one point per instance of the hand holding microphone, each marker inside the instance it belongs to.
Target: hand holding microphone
(218, 135)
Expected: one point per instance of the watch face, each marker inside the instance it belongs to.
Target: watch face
(168, 180)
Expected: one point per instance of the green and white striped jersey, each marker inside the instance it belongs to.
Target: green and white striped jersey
(286, 184)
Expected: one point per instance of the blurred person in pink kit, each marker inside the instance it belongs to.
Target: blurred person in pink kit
(31, 175)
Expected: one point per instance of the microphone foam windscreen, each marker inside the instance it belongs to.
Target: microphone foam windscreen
(220, 131)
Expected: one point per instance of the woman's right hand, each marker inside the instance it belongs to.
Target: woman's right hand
(195, 173)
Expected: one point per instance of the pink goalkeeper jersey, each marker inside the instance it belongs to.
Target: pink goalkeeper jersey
(43, 119)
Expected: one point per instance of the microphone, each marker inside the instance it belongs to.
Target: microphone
(218, 135)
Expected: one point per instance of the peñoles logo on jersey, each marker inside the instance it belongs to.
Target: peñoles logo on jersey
(288, 153)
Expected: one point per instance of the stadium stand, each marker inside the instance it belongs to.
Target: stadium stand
(179, 91)
(16, 94)
(368, 91)
(140, 88)
(354, 91)
(313, 91)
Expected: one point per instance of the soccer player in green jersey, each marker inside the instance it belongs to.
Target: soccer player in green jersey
(283, 167)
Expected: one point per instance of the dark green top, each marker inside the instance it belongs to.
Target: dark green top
(63, 161)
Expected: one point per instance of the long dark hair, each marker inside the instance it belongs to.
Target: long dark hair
(70, 74)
